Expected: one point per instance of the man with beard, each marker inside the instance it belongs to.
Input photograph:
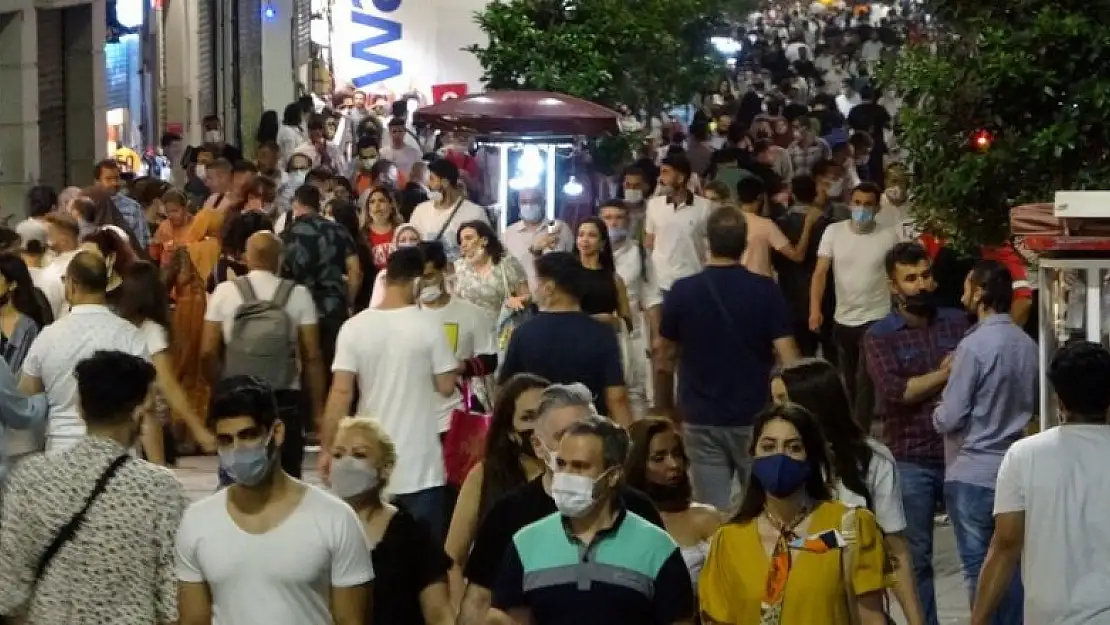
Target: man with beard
(909, 355)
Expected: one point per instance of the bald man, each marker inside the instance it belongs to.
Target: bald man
(89, 327)
(303, 397)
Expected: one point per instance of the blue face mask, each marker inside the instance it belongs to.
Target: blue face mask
(862, 215)
(248, 466)
(298, 176)
(779, 474)
(531, 212)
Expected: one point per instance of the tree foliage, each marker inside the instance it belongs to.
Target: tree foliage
(649, 54)
(1030, 72)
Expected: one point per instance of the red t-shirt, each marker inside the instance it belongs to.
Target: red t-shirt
(381, 246)
(1005, 254)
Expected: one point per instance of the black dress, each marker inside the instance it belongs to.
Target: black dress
(599, 292)
(406, 561)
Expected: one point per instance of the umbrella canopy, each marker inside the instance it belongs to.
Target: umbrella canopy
(520, 114)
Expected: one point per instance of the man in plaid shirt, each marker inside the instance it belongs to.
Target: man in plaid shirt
(909, 357)
(807, 149)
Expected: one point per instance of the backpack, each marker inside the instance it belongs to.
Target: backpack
(261, 337)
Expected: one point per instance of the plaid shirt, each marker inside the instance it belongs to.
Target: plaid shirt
(896, 352)
(802, 159)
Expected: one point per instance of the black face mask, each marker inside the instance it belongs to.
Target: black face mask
(922, 304)
(670, 497)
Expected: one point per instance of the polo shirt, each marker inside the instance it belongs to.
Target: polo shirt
(679, 248)
(630, 573)
(519, 508)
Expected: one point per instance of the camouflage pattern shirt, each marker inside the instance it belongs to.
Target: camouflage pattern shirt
(316, 252)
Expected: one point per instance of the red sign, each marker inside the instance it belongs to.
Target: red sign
(448, 91)
(176, 128)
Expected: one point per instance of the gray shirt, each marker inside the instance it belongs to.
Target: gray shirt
(988, 401)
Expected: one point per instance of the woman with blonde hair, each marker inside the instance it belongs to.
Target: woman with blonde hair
(415, 590)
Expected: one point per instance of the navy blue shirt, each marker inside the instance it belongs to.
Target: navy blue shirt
(725, 321)
(567, 347)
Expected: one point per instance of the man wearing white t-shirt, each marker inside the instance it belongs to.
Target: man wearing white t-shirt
(855, 250)
(468, 327)
(1052, 503)
(439, 218)
(269, 548)
(674, 230)
(88, 328)
(263, 257)
(400, 361)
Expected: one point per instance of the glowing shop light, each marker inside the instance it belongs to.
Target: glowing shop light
(129, 13)
(726, 45)
(269, 12)
(573, 188)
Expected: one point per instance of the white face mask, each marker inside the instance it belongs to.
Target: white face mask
(368, 163)
(430, 293)
(213, 136)
(634, 196)
(202, 171)
(351, 477)
(435, 196)
(573, 494)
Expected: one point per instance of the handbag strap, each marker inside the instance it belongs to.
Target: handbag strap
(450, 218)
(716, 295)
(67, 532)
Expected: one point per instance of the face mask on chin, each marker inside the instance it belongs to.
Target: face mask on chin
(674, 497)
(921, 304)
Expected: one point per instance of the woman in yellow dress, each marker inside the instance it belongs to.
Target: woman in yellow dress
(785, 557)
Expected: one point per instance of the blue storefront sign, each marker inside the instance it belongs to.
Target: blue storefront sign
(372, 31)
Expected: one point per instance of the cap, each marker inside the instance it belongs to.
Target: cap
(31, 230)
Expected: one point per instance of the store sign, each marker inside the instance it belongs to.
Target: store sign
(371, 31)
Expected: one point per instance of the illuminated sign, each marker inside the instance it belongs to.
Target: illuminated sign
(381, 31)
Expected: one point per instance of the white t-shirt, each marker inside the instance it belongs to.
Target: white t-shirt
(53, 274)
(51, 286)
(396, 355)
(469, 331)
(157, 339)
(226, 300)
(882, 483)
(429, 220)
(404, 157)
(282, 577)
(896, 216)
(1060, 478)
(679, 249)
(859, 271)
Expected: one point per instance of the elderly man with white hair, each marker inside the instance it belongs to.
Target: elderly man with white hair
(561, 406)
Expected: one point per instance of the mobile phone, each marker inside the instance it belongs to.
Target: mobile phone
(552, 227)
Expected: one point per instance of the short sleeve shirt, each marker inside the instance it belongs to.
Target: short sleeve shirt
(316, 253)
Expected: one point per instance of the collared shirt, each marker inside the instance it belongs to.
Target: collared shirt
(804, 158)
(316, 253)
(679, 248)
(60, 346)
(519, 237)
(630, 573)
(988, 401)
(17, 413)
(634, 267)
(896, 352)
(119, 567)
(132, 213)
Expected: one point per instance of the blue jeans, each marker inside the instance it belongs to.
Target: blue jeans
(922, 491)
(971, 509)
(429, 506)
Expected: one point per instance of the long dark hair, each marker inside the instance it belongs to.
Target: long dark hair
(110, 243)
(293, 115)
(642, 432)
(755, 498)
(815, 385)
(24, 296)
(501, 470)
(144, 295)
(267, 127)
(494, 249)
(605, 253)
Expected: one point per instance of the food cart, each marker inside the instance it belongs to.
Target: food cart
(534, 133)
(1070, 240)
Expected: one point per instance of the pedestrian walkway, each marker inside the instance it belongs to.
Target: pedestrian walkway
(198, 474)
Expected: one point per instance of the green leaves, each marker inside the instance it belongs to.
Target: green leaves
(648, 55)
(1030, 72)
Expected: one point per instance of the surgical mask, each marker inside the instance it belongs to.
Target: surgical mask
(202, 171)
(836, 188)
(779, 474)
(435, 196)
(664, 189)
(531, 212)
(213, 136)
(573, 494)
(368, 163)
(248, 466)
(896, 194)
(863, 215)
(298, 176)
(634, 196)
(618, 236)
(351, 477)
(430, 293)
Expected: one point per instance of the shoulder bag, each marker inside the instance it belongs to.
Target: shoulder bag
(450, 218)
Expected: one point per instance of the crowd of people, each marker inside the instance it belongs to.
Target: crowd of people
(740, 393)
